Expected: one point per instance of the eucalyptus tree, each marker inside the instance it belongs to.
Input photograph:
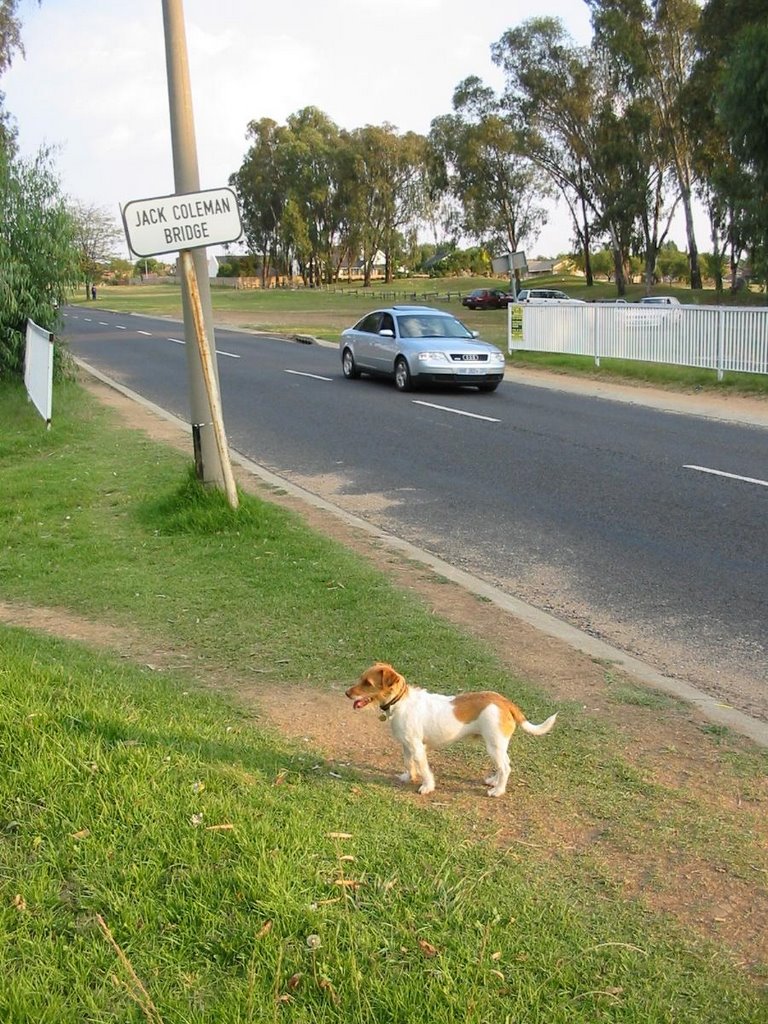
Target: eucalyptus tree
(260, 184)
(403, 187)
(743, 108)
(373, 151)
(650, 46)
(481, 150)
(97, 237)
(575, 129)
(725, 183)
(549, 94)
(313, 163)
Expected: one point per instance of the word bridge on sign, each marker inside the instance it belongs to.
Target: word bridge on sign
(168, 223)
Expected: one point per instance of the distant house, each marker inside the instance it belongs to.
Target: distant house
(354, 270)
(539, 267)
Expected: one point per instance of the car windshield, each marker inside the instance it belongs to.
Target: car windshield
(429, 325)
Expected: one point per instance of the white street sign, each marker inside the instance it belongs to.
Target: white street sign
(508, 262)
(189, 221)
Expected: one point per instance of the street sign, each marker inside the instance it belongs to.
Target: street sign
(510, 261)
(189, 221)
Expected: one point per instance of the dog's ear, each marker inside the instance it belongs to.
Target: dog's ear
(389, 677)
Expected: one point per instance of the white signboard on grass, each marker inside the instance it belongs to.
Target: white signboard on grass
(189, 221)
(38, 369)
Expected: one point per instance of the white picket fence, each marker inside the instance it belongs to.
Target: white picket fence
(720, 338)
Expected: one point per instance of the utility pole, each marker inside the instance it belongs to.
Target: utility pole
(211, 453)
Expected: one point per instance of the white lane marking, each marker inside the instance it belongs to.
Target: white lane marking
(316, 376)
(147, 333)
(178, 341)
(87, 319)
(730, 476)
(120, 327)
(459, 412)
(103, 323)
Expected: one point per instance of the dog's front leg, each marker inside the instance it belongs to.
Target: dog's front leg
(410, 774)
(427, 778)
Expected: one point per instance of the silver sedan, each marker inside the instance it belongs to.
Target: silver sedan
(416, 346)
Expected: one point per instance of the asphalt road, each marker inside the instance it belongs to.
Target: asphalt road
(643, 527)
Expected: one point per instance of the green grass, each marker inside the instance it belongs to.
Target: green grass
(154, 832)
(325, 312)
(105, 764)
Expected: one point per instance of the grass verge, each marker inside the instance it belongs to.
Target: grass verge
(164, 857)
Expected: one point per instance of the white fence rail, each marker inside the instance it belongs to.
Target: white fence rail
(719, 338)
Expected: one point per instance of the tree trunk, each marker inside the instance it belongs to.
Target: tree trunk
(693, 252)
(587, 236)
(716, 253)
(618, 263)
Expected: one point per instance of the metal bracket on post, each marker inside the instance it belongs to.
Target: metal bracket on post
(197, 447)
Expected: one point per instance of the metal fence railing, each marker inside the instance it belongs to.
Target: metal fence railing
(720, 338)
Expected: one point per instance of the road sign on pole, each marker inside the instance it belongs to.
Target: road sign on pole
(512, 263)
(171, 223)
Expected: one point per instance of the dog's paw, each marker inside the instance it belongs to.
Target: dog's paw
(426, 787)
(491, 780)
(405, 777)
(497, 791)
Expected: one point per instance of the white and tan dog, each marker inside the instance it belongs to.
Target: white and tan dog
(420, 719)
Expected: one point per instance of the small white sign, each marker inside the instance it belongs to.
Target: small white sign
(510, 261)
(188, 221)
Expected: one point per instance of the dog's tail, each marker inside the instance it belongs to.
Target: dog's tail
(538, 730)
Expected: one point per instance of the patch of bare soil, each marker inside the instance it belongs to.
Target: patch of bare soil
(713, 900)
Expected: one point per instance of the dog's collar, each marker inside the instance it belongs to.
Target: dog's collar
(391, 703)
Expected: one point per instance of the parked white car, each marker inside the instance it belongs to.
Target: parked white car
(659, 300)
(543, 295)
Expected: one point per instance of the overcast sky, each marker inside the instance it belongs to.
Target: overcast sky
(93, 80)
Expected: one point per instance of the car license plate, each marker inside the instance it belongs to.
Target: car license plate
(471, 369)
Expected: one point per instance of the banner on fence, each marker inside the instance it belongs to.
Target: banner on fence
(38, 369)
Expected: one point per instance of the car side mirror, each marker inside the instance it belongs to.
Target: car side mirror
(475, 334)
(387, 332)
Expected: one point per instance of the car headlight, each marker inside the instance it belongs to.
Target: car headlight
(432, 356)
(496, 357)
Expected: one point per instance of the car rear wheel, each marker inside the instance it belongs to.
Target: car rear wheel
(348, 365)
(402, 375)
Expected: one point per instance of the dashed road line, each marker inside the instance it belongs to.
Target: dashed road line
(730, 476)
(315, 376)
(458, 412)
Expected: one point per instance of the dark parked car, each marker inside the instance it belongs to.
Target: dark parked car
(486, 298)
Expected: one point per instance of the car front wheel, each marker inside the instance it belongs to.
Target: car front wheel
(348, 365)
(402, 375)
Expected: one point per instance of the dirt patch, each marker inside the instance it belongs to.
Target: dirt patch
(667, 747)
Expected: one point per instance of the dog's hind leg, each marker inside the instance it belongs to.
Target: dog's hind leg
(498, 752)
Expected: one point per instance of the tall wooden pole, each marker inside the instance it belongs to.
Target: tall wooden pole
(210, 454)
